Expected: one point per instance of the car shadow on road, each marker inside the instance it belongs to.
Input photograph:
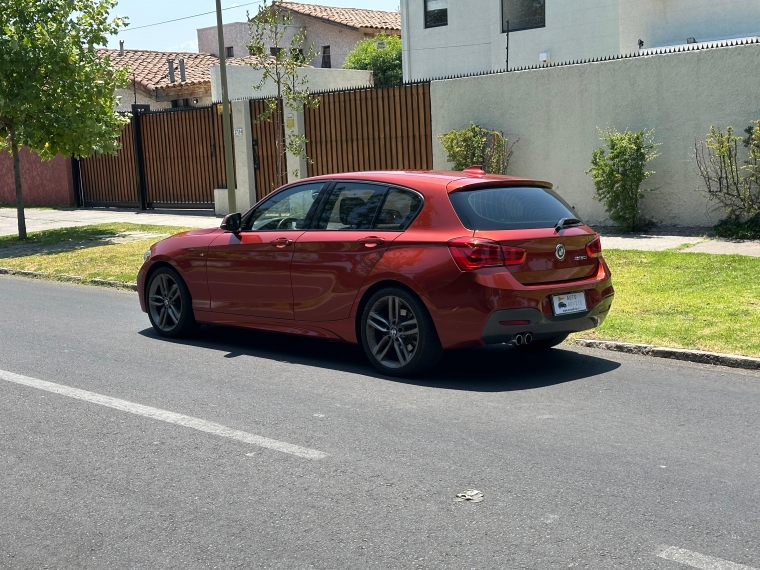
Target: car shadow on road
(487, 369)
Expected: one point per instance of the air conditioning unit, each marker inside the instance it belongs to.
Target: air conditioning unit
(545, 58)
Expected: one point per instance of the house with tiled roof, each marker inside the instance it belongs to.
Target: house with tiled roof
(331, 30)
(165, 79)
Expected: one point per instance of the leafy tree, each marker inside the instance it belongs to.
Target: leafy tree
(280, 61)
(618, 172)
(56, 94)
(384, 62)
(476, 145)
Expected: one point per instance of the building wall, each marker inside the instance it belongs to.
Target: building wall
(473, 40)
(237, 35)
(241, 79)
(127, 99)
(46, 183)
(660, 23)
(555, 113)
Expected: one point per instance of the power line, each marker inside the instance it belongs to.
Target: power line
(188, 17)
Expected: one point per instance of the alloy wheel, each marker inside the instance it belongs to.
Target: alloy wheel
(165, 301)
(392, 332)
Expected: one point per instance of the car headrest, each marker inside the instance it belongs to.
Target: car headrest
(352, 211)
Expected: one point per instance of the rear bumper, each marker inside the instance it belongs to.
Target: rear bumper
(540, 325)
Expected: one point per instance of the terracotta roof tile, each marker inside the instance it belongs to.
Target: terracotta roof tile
(151, 70)
(352, 17)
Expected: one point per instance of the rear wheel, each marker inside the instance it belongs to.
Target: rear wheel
(543, 344)
(169, 305)
(398, 334)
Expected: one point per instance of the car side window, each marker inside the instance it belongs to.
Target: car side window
(286, 210)
(351, 206)
(399, 210)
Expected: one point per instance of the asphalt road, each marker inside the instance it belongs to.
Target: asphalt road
(586, 459)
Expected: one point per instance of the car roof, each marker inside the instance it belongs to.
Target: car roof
(450, 181)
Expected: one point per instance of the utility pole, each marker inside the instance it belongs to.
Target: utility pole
(226, 128)
(507, 45)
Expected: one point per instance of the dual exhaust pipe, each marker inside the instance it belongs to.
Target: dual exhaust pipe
(522, 339)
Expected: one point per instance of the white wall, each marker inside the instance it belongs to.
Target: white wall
(575, 30)
(242, 78)
(554, 112)
(128, 98)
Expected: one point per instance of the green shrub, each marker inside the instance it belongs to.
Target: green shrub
(618, 172)
(729, 180)
(737, 229)
(384, 63)
(476, 145)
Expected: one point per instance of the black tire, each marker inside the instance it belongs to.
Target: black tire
(543, 344)
(391, 342)
(170, 310)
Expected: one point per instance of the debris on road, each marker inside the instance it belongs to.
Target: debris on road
(470, 495)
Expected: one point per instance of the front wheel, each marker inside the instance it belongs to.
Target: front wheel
(398, 335)
(169, 305)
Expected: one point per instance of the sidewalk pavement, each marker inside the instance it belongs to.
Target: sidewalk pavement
(42, 219)
(690, 240)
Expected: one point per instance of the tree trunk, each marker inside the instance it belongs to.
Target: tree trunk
(19, 197)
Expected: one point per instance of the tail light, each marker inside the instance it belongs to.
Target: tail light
(475, 253)
(594, 247)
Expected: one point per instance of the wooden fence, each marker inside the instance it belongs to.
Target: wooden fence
(264, 133)
(167, 159)
(370, 129)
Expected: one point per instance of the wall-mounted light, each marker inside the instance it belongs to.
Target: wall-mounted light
(195, 101)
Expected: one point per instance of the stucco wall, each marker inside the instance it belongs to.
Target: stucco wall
(43, 183)
(660, 23)
(554, 112)
(128, 98)
(473, 40)
(237, 35)
(241, 79)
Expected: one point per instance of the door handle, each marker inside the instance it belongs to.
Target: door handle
(281, 242)
(371, 241)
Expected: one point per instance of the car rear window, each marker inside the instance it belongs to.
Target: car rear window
(509, 208)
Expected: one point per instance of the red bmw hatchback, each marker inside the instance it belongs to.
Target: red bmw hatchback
(405, 263)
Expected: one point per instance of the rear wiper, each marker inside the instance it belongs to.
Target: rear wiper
(567, 223)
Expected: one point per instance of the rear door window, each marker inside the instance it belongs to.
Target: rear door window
(351, 206)
(510, 208)
(399, 210)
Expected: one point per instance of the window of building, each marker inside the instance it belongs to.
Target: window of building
(436, 13)
(230, 51)
(275, 51)
(180, 103)
(523, 14)
(297, 54)
(326, 61)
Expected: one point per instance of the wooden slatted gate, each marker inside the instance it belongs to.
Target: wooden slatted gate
(264, 133)
(175, 161)
(370, 129)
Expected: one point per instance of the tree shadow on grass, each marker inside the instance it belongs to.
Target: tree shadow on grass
(487, 369)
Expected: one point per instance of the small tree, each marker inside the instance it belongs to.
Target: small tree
(56, 94)
(381, 55)
(280, 61)
(477, 145)
(618, 172)
(729, 180)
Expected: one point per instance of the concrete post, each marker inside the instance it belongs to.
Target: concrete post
(245, 193)
(296, 165)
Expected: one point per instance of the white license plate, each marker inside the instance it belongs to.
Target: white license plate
(569, 303)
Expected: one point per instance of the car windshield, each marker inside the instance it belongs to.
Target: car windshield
(510, 208)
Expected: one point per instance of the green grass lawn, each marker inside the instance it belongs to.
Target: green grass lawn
(87, 255)
(684, 300)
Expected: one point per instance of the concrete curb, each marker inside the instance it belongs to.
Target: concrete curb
(698, 356)
(72, 278)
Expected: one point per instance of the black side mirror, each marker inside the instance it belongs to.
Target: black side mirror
(232, 222)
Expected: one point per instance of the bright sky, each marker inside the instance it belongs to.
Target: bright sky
(180, 36)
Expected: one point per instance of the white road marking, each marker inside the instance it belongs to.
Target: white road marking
(163, 415)
(697, 560)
